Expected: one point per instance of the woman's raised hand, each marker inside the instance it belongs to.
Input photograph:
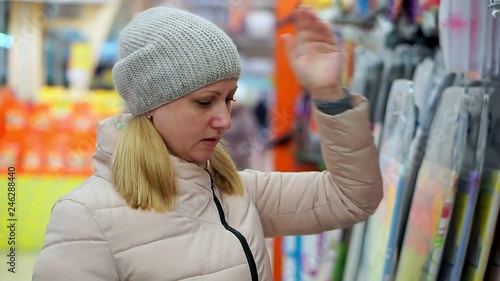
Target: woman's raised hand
(315, 56)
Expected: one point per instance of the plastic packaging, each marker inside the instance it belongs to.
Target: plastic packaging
(455, 34)
(488, 204)
(398, 133)
(468, 187)
(496, 46)
(479, 37)
(434, 194)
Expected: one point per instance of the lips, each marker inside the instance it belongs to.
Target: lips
(211, 142)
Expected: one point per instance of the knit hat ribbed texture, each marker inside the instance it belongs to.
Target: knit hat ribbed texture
(166, 53)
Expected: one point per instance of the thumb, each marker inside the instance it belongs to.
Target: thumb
(290, 45)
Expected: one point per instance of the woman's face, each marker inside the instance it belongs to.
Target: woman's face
(193, 125)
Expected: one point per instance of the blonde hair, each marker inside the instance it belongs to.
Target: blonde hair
(224, 171)
(144, 175)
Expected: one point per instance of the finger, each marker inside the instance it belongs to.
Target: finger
(304, 20)
(319, 48)
(290, 45)
(319, 31)
(325, 29)
(311, 36)
(307, 12)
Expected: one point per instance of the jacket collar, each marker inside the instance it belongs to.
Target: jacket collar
(107, 136)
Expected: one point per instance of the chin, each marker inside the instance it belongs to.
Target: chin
(204, 158)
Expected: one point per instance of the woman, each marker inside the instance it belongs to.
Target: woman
(166, 201)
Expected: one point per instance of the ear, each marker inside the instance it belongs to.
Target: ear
(151, 114)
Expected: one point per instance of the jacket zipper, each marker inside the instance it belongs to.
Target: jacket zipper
(243, 241)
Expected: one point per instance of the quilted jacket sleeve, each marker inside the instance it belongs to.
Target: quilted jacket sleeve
(312, 202)
(74, 247)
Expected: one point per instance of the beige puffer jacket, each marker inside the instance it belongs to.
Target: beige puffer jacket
(94, 236)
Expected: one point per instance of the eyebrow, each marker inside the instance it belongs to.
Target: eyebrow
(218, 93)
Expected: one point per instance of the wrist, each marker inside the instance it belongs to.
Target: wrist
(334, 107)
(328, 94)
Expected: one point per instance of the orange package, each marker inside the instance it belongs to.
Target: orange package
(14, 125)
(32, 154)
(6, 98)
(15, 117)
(57, 150)
(82, 141)
(80, 155)
(10, 151)
(40, 120)
(35, 138)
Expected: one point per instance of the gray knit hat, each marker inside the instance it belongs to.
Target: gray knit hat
(167, 53)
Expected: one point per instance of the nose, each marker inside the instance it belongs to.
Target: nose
(222, 119)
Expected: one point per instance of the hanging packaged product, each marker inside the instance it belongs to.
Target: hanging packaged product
(493, 270)
(312, 257)
(496, 46)
(464, 31)
(292, 246)
(426, 101)
(488, 202)
(455, 33)
(487, 63)
(483, 229)
(368, 75)
(398, 133)
(327, 253)
(478, 38)
(434, 194)
(467, 187)
(366, 81)
(393, 70)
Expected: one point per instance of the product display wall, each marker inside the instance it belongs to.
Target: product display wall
(435, 121)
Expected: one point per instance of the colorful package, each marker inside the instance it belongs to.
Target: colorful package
(434, 195)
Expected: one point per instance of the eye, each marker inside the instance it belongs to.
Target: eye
(204, 103)
(228, 100)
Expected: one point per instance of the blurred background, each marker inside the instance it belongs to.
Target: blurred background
(429, 68)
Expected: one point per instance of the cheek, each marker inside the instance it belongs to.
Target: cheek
(177, 133)
(165, 128)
